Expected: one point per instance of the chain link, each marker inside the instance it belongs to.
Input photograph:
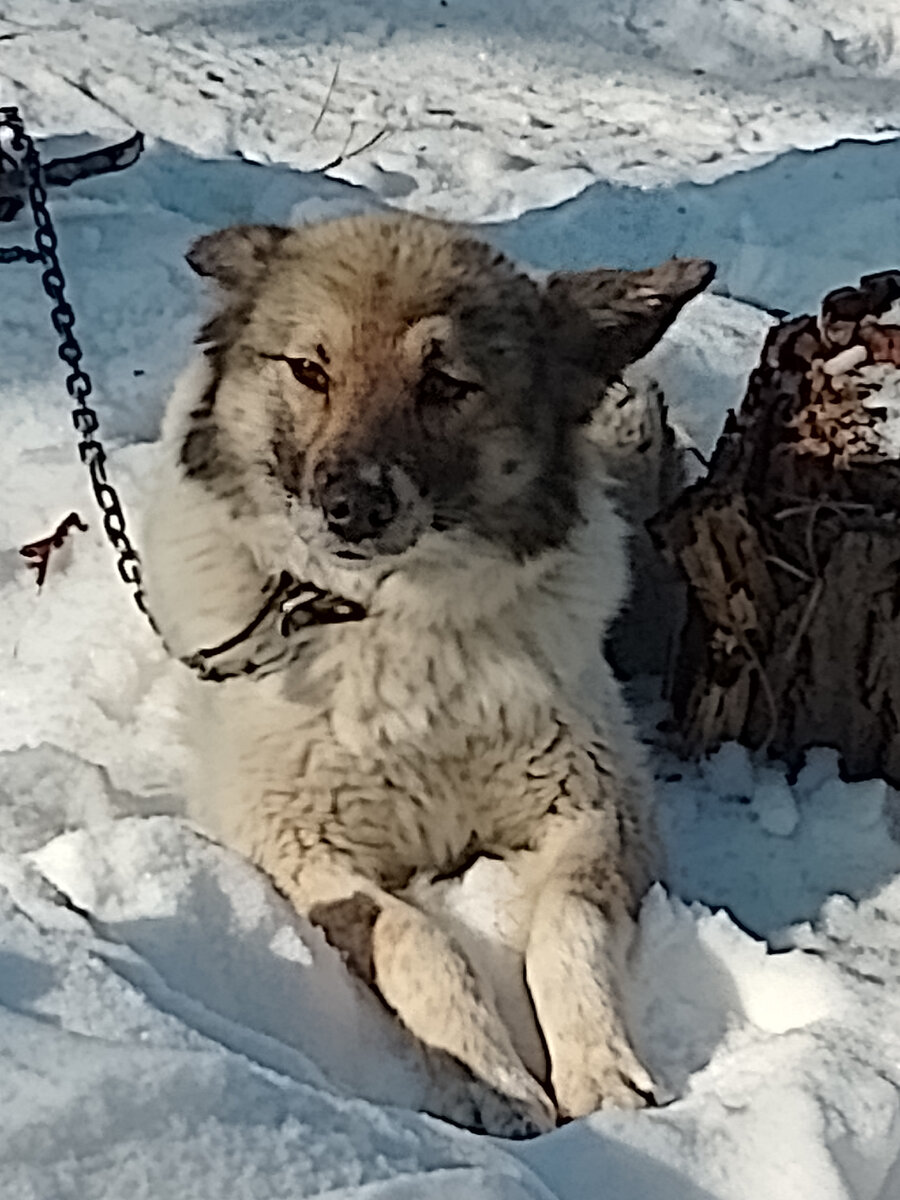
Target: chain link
(11, 254)
(78, 383)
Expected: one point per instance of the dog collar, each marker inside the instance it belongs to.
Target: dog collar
(276, 636)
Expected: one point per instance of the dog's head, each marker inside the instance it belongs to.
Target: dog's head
(382, 378)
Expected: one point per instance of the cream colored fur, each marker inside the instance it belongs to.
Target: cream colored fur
(471, 711)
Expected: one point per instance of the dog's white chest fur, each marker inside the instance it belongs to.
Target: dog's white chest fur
(420, 736)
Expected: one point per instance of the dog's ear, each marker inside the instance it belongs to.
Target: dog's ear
(237, 256)
(605, 319)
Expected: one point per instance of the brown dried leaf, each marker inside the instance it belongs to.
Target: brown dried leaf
(38, 553)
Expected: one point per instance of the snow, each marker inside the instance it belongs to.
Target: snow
(168, 1027)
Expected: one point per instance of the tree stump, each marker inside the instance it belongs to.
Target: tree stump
(790, 549)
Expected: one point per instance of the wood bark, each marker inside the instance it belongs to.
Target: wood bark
(790, 549)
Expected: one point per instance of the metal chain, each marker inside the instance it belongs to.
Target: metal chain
(277, 633)
(11, 254)
(78, 383)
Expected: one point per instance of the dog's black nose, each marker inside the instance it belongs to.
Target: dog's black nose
(356, 508)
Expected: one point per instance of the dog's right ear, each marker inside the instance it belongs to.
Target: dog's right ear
(237, 256)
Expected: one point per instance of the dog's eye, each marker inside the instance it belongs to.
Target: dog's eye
(305, 371)
(309, 373)
(438, 387)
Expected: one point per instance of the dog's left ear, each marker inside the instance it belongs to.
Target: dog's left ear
(606, 319)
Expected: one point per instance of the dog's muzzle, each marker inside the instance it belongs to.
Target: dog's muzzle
(358, 501)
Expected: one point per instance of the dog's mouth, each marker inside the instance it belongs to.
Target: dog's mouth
(397, 540)
(358, 557)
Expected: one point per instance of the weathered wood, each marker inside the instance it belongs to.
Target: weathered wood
(790, 549)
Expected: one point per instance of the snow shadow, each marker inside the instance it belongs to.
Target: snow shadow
(23, 981)
(739, 837)
(281, 997)
(214, 945)
(782, 234)
(584, 1160)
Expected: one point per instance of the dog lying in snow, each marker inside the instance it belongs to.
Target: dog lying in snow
(389, 410)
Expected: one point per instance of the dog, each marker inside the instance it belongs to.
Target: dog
(396, 415)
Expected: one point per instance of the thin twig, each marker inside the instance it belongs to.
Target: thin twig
(800, 510)
(85, 90)
(342, 157)
(810, 540)
(812, 510)
(789, 567)
(347, 140)
(805, 617)
(756, 661)
(327, 101)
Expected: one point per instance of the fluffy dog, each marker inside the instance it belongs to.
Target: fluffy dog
(395, 415)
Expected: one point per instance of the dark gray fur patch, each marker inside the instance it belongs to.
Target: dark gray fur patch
(199, 450)
(347, 925)
(288, 458)
(540, 519)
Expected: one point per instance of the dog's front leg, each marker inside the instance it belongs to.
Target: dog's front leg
(429, 983)
(575, 960)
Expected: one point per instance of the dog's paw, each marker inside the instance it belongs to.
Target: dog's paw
(605, 1079)
(510, 1117)
(474, 1104)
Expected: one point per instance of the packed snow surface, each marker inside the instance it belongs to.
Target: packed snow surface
(168, 1027)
